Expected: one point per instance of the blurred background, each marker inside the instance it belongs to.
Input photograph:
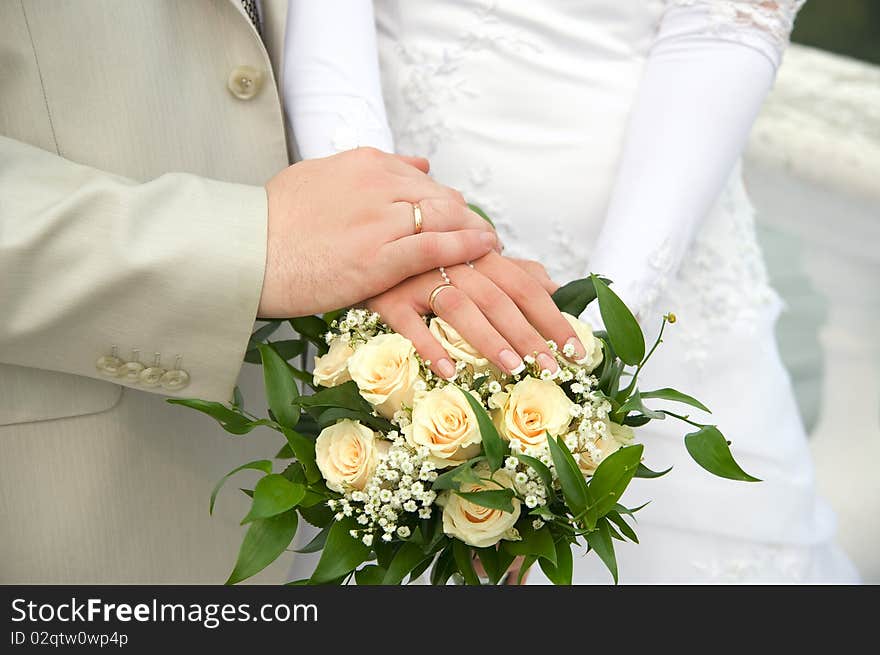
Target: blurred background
(813, 170)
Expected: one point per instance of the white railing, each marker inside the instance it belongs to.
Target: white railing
(813, 171)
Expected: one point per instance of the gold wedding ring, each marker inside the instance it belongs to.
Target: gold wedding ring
(417, 217)
(436, 292)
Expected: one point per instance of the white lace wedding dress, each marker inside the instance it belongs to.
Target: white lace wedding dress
(600, 136)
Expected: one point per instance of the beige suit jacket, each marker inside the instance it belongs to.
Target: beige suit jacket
(135, 139)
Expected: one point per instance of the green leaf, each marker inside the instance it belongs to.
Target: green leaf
(263, 465)
(643, 471)
(710, 450)
(264, 541)
(675, 396)
(317, 542)
(477, 210)
(560, 573)
(318, 515)
(634, 403)
(333, 315)
(620, 509)
(574, 487)
(313, 329)
(528, 562)
(533, 542)
(285, 452)
(287, 348)
(370, 575)
(342, 553)
(491, 498)
(281, 390)
(623, 329)
(454, 478)
(273, 495)
(612, 477)
(491, 561)
(407, 557)
(573, 298)
(333, 414)
(416, 573)
(621, 523)
(237, 398)
(493, 445)
(230, 420)
(444, 567)
(346, 396)
(464, 561)
(264, 332)
(304, 450)
(600, 541)
(636, 420)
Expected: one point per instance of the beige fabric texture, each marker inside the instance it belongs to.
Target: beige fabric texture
(132, 213)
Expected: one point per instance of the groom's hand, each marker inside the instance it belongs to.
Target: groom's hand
(342, 229)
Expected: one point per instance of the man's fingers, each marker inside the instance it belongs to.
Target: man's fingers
(419, 253)
(537, 271)
(437, 215)
(417, 162)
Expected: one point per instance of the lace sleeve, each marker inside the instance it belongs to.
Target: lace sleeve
(763, 24)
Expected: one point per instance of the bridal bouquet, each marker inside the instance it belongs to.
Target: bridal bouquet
(408, 474)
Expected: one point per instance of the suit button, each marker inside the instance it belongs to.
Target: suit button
(151, 376)
(174, 379)
(109, 365)
(245, 82)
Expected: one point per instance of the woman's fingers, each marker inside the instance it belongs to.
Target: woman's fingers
(403, 318)
(455, 307)
(503, 314)
(533, 300)
(537, 271)
(416, 162)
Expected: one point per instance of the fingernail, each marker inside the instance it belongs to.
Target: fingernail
(574, 350)
(511, 361)
(547, 363)
(446, 369)
(488, 239)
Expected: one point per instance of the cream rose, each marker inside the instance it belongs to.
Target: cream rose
(332, 369)
(592, 345)
(615, 437)
(385, 370)
(457, 347)
(474, 524)
(443, 422)
(530, 409)
(347, 454)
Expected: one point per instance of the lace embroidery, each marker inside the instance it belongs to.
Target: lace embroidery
(771, 19)
(433, 81)
(722, 284)
(758, 564)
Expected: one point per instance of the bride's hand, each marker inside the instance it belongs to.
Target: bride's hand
(501, 306)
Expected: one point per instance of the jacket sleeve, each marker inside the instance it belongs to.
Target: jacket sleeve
(98, 271)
